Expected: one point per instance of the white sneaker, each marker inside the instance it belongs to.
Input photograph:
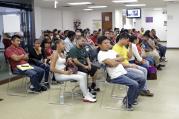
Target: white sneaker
(88, 98)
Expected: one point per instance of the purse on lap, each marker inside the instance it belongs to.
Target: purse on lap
(72, 67)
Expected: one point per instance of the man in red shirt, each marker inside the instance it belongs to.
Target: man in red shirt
(94, 36)
(17, 56)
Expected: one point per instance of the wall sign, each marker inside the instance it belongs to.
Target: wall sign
(149, 19)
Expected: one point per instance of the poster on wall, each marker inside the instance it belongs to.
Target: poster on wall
(149, 19)
(97, 24)
(106, 18)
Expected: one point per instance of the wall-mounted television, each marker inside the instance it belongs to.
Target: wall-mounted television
(133, 13)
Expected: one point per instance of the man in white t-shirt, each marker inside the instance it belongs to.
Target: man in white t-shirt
(117, 72)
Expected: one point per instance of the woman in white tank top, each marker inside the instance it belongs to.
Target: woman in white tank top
(61, 74)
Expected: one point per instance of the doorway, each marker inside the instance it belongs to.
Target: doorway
(106, 21)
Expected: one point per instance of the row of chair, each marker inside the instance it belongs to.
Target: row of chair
(21, 89)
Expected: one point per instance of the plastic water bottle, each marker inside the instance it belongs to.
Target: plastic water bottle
(61, 99)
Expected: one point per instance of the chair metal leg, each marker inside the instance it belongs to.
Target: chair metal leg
(117, 97)
(112, 92)
(24, 82)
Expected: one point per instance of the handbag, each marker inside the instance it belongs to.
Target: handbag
(152, 73)
(72, 67)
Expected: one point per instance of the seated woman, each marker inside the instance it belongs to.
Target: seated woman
(58, 66)
(35, 58)
(46, 49)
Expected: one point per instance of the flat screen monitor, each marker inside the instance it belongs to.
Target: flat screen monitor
(134, 13)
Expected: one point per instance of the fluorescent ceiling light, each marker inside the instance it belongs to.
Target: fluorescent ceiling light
(88, 9)
(80, 3)
(158, 9)
(170, 0)
(55, 3)
(135, 5)
(93, 7)
(124, 1)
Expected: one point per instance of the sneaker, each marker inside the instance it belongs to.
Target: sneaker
(161, 65)
(146, 93)
(163, 59)
(88, 98)
(33, 90)
(46, 84)
(43, 88)
(93, 96)
(135, 102)
(96, 89)
(92, 91)
(130, 107)
(93, 87)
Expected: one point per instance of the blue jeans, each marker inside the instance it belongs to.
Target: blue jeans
(35, 75)
(151, 60)
(138, 73)
(162, 50)
(133, 85)
(46, 67)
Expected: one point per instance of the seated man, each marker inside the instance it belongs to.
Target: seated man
(162, 49)
(81, 59)
(120, 47)
(150, 50)
(117, 72)
(69, 41)
(17, 56)
(108, 35)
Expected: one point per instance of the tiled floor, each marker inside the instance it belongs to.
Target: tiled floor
(164, 105)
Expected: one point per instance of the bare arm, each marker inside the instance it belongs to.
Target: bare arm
(88, 61)
(78, 63)
(130, 51)
(119, 58)
(111, 62)
(19, 58)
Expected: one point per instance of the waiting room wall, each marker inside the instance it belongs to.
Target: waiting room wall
(62, 19)
(46, 18)
(158, 22)
(88, 18)
(173, 26)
